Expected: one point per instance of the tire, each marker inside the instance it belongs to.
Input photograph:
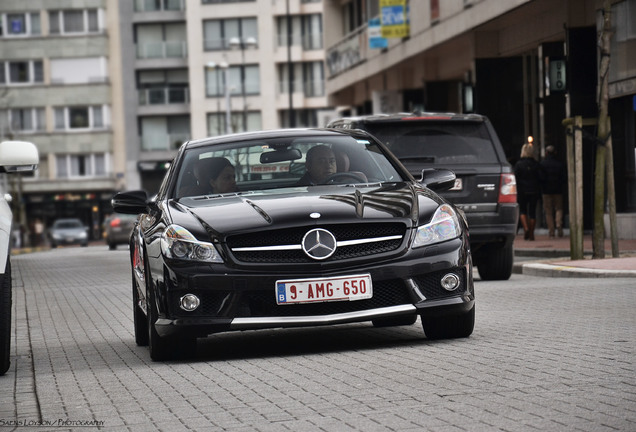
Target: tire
(165, 348)
(112, 246)
(449, 327)
(5, 319)
(404, 320)
(496, 263)
(139, 318)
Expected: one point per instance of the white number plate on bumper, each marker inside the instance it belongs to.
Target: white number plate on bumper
(345, 288)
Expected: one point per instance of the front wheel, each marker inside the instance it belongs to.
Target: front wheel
(165, 348)
(449, 327)
(5, 319)
(139, 318)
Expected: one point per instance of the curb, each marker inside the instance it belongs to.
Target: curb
(563, 271)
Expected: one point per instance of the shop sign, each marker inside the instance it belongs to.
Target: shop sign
(558, 81)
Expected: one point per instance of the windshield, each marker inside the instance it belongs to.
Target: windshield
(436, 143)
(282, 162)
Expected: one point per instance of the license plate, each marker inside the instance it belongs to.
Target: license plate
(345, 288)
(459, 185)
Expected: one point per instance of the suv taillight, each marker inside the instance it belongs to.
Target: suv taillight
(115, 222)
(507, 189)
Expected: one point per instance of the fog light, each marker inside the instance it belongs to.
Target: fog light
(450, 282)
(189, 302)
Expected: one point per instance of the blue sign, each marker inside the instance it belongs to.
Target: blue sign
(376, 41)
(393, 15)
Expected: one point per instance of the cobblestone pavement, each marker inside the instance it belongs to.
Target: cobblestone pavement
(547, 354)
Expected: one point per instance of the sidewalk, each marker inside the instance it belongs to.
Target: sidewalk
(552, 256)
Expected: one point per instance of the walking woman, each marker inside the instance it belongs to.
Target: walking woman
(527, 171)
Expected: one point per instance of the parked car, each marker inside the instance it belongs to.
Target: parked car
(289, 240)
(117, 229)
(485, 188)
(15, 156)
(68, 231)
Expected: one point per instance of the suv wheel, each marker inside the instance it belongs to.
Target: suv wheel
(496, 262)
(5, 319)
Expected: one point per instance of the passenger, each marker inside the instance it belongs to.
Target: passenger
(214, 176)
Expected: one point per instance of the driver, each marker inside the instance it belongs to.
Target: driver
(320, 164)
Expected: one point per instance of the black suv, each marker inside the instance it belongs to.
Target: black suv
(485, 188)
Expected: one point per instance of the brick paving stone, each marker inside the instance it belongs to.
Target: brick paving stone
(554, 355)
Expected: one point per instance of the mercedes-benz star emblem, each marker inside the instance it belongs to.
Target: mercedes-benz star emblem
(319, 244)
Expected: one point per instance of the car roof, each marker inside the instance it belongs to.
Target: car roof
(413, 116)
(274, 133)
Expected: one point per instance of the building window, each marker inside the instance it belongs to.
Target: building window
(243, 80)
(81, 117)
(225, 1)
(24, 119)
(21, 72)
(76, 21)
(83, 165)
(159, 5)
(302, 117)
(311, 26)
(242, 121)
(19, 24)
(218, 33)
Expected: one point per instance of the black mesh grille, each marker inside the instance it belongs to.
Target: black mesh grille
(294, 236)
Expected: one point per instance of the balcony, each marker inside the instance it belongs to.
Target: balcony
(157, 50)
(164, 96)
(349, 52)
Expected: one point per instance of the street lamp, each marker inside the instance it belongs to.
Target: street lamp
(243, 44)
(228, 104)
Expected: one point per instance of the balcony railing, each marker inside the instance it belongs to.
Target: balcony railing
(348, 52)
(169, 49)
(159, 5)
(159, 142)
(164, 95)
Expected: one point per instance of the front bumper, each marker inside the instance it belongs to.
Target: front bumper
(244, 300)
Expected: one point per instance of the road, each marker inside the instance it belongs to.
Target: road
(546, 354)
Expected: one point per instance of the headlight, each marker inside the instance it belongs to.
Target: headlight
(178, 243)
(444, 226)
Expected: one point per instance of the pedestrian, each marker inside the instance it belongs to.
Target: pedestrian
(528, 189)
(553, 180)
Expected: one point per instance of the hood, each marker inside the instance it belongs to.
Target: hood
(315, 205)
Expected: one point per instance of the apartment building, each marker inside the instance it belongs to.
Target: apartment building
(109, 89)
(199, 68)
(526, 64)
(58, 89)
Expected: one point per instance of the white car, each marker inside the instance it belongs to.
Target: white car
(15, 156)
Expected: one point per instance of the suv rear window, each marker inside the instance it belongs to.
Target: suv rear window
(433, 142)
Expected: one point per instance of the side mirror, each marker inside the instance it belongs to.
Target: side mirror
(131, 202)
(18, 156)
(438, 179)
